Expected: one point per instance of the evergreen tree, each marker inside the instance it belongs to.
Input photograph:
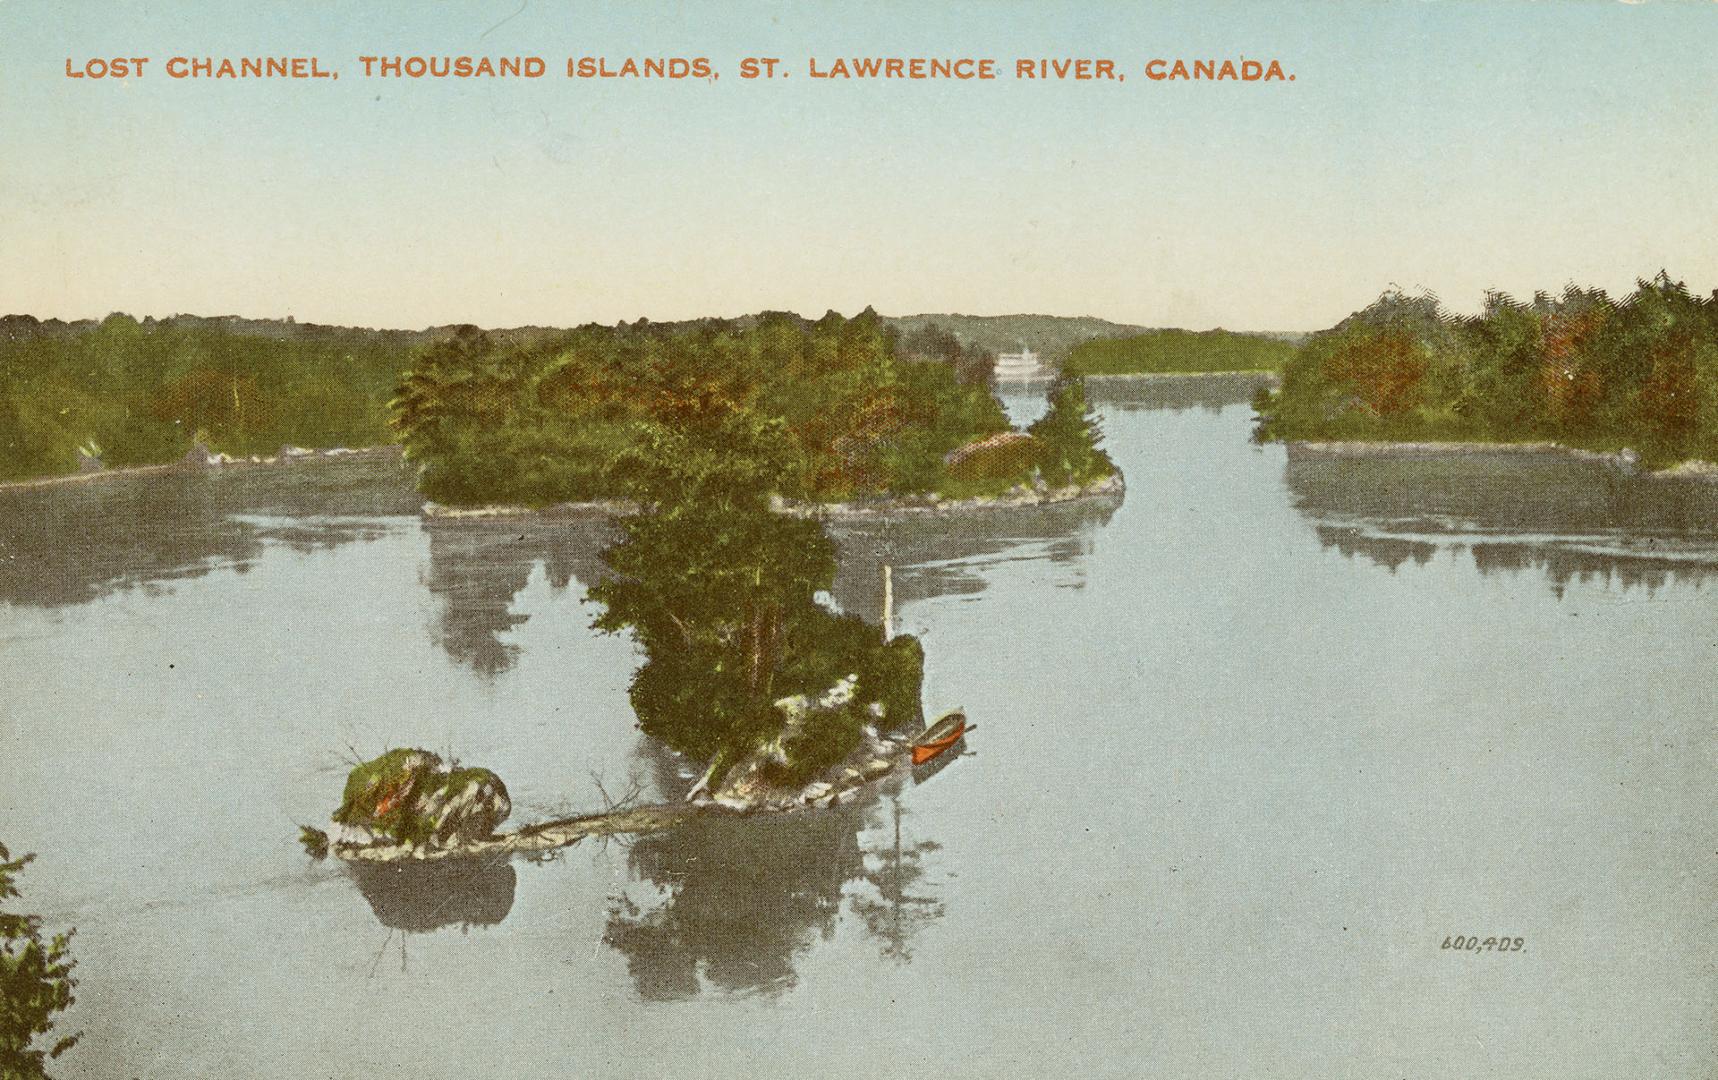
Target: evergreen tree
(1068, 436)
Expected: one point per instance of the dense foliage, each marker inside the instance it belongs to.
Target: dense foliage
(132, 393)
(721, 592)
(551, 421)
(530, 415)
(1179, 351)
(36, 983)
(1580, 368)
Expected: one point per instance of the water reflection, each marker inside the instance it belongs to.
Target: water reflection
(736, 901)
(1389, 552)
(1567, 518)
(477, 566)
(730, 903)
(1563, 566)
(895, 909)
(945, 556)
(421, 897)
(74, 543)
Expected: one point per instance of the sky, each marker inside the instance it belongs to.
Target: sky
(1446, 147)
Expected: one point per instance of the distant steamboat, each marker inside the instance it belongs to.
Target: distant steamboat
(1020, 367)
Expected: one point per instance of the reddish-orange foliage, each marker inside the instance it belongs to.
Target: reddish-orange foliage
(1385, 370)
(854, 439)
(1572, 388)
(1669, 399)
(393, 798)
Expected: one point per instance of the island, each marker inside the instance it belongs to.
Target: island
(1636, 376)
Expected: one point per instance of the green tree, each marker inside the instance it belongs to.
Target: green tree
(708, 578)
(721, 593)
(1068, 436)
(35, 983)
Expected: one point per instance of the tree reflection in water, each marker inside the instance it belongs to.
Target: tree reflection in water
(420, 897)
(892, 913)
(726, 903)
(738, 900)
(477, 566)
(73, 543)
(1571, 519)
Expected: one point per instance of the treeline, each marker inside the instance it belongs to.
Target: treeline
(528, 415)
(1180, 351)
(1051, 336)
(1581, 368)
(124, 392)
(560, 419)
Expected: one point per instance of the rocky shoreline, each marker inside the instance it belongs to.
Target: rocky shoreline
(1112, 486)
(605, 507)
(353, 838)
(200, 460)
(848, 785)
(1625, 461)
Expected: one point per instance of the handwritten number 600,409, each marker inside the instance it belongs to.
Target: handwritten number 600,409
(1472, 943)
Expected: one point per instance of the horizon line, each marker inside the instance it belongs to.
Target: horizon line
(297, 321)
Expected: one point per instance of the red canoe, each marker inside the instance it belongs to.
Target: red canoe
(939, 737)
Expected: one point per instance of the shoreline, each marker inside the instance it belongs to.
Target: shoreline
(1113, 486)
(1145, 376)
(1110, 487)
(1624, 460)
(123, 472)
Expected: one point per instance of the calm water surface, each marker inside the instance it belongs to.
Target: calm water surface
(1252, 744)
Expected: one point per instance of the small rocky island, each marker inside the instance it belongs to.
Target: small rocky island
(411, 805)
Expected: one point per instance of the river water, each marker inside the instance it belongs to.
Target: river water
(1252, 744)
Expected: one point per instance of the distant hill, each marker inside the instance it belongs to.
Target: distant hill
(1053, 336)
(1181, 351)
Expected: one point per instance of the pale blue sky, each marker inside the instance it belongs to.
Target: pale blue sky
(1446, 146)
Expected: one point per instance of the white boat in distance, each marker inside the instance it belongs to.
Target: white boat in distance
(1020, 367)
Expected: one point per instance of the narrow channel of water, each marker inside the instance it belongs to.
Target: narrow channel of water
(1252, 745)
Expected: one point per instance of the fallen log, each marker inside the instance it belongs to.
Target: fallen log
(544, 836)
(373, 781)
